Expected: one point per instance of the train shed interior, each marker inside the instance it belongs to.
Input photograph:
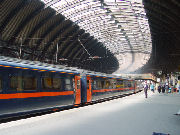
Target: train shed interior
(90, 67)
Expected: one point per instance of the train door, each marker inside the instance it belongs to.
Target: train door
(89, 89)
(77, 90)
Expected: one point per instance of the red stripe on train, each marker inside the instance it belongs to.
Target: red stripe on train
(36, 94)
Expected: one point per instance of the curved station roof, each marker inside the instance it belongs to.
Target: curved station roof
(121, 26)
(101, 35)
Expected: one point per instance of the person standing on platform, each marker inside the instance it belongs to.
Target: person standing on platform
(172, 88)
(159, 88)
(145, 90)
(163, 89)
(167, 88)
(152, 87)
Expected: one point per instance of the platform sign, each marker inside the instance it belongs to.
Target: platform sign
(158, 79)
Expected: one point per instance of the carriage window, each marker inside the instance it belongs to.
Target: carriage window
(125, 84)
(50, 83)
(29, 83)
(20, 83)
(107, 86)
(114, 84)
(129, 84)
(119, 84)
(102, 85)
(87, 84)
(47, 83)
(78, 84)
(14, 82)
(68, 84)
(99, 86)
(133, 83)
(94, 84)
(56, 83)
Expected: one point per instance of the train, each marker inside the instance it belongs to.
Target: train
(32, 86)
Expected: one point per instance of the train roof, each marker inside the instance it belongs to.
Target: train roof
(27, 64)
(19, 63)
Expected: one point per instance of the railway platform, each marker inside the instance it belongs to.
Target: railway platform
(131, 115)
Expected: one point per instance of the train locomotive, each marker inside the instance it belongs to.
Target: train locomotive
(31, 86)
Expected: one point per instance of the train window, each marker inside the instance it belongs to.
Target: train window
(94, 84)
(73, 80)
(68, 84)
(29, 83)
(14, 82)
(22, 80)
(87, 84)
(119, 84)
(112, 84)
(102, 84)
(50, 83)
(126, 84)
(47, 83)
(78, 84)
(20, 83)
(107, 86)
(99, 85)
(129, 84)
(132, 84)
(56, 83)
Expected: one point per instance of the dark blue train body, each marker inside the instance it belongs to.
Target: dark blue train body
(27, 86)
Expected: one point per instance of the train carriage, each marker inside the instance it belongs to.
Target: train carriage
(106, 86)
(27, 86)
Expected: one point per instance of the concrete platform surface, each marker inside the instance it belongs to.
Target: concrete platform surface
(133, 115)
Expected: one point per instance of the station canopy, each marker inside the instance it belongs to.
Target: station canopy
(121, 25)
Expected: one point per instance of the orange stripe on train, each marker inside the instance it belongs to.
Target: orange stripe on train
(36, 94)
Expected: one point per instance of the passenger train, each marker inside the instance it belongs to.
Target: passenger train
(31, 86)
